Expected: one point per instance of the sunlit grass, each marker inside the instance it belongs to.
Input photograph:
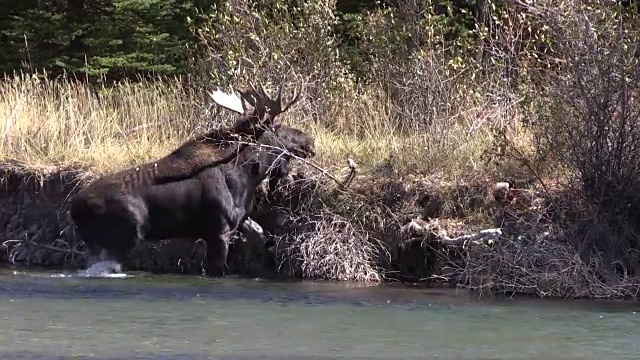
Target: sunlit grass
(61, 122)
(64, 122)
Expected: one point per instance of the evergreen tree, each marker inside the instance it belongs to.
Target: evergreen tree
(115, 38)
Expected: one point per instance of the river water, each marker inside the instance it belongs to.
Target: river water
(148, 316)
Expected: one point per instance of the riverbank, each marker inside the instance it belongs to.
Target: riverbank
(422, 208)
(407, 228)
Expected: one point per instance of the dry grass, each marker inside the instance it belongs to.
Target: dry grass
(62, 122)
(456, 129)
(66, 122)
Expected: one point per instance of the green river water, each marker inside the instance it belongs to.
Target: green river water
(144, 316)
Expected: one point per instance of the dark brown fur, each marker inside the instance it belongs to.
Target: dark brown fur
(206, 150)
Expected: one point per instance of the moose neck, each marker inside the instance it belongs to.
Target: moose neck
(262, 159)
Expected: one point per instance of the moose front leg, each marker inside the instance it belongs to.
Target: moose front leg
(217, 251)
(253, 247)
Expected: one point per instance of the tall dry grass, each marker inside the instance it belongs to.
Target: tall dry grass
(417, 114)
(62, 122)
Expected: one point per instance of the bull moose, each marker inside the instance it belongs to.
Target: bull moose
(206, 202)
(210, 149)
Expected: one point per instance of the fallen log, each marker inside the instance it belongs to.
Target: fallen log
(430, 231)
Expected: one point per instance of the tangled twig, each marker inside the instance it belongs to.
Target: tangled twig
(22, 249)
(351, 165)
(327, 246)
(419, 226)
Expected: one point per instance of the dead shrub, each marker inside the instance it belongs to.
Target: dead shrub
(587, 116)
(310, 239)
(542, 268)
(328, 246)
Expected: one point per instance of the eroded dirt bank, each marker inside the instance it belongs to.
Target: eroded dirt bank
(313, 230)
(33, 212)
(408, 229)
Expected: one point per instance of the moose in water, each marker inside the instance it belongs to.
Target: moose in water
(196, 192)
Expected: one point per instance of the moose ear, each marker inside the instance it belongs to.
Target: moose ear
(228, 101)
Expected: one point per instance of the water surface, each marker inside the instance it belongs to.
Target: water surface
(189, 317)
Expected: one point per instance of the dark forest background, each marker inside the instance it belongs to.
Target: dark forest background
(115, 39)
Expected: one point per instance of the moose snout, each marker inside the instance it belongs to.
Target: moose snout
(310, 148)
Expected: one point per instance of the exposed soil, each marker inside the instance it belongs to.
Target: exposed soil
(37, 229)
(32, 209)
(409, 229)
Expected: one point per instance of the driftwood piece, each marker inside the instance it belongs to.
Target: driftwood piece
(430, 231)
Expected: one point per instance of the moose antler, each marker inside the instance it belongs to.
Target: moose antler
(264, 108)
(229, 101)
(276, 105)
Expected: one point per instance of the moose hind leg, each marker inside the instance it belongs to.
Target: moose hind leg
(137, 217)
(117, 234)
(217, 251)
